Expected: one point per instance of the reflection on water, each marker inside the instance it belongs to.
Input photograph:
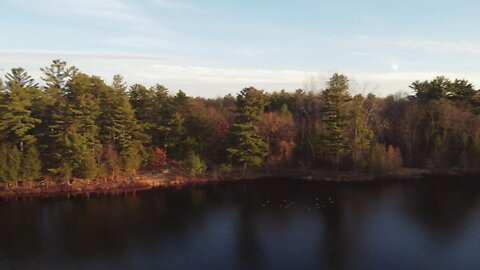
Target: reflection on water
(271, 224)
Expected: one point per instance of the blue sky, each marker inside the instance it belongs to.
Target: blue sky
(214, 47)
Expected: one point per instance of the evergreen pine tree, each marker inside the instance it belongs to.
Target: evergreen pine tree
(111, 163)
(14, 163)
(162, 113)
(65, 171)
(57, 75)
(109, 101)
(16, 121)
(178, 143)
(195, 165)
(142, 100)
(333, 139)
(249, 148)
(51, 109)
(4, 163)
(74, 126)
(124, 128)
(132, 159)
(88, 168)
(2, 92)
(19, 77)
(31, 164)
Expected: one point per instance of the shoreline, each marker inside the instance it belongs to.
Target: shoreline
(149, 180)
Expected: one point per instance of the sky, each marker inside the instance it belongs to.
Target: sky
(213, 47)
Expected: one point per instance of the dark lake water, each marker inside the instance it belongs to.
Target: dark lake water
(267, 224)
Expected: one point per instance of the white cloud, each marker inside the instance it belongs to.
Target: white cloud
(172, 71)
(179, 73)
(222, 75)
(391, 82)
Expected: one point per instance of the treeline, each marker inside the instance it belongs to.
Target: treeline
(76, 126)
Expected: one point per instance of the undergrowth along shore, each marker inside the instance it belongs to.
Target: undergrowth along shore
(147, 180)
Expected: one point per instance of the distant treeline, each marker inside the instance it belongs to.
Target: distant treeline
(76, 126)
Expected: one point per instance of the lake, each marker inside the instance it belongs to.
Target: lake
(265, 224)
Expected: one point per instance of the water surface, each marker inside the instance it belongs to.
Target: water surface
(267, 224)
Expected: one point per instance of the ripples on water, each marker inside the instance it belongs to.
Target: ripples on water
(268, 224)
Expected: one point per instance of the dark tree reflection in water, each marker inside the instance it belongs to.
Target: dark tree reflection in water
(267, 224)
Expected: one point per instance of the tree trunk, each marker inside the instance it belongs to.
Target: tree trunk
(244, 170)
(337, 163)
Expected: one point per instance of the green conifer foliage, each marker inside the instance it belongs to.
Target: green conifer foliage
(88, 168)
(14, 165)
(19, 77)
(65, 171)
(162, 112)
(2, 92)
(132, 159)
(57, 75)
(142, 101)
(249, 149)
(111, 163)
(250, 105)
(195, 165)
(333, 139)
(107, 118)
(125, 127)
(178, 143)
(4, 163)
(77, 126)
(74, 127)
(50, 107)
(31, 164)
(16, 122)
(360, 134)
(117, 122)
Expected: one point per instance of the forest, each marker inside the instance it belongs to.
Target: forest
(76, 126)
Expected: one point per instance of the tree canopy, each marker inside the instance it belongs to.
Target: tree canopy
(73, 125)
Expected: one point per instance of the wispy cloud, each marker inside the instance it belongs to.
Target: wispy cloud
(418, 44)
(96, 55)
(117, 10)
(136, 42)
(176, 4)
(412, 76)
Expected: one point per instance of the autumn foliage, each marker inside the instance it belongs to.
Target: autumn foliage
(278, 130)
(159, 158)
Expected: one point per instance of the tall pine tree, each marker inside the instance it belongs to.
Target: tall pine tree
(249, 149)
(20, 77)
(333, 138)
(74, 126)
(16, 121)
(31, 164)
